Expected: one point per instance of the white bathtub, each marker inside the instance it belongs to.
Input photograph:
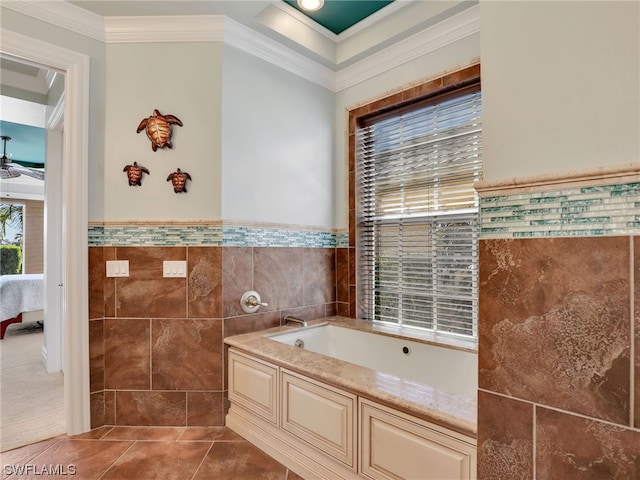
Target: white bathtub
(359, 400)
(447, 369)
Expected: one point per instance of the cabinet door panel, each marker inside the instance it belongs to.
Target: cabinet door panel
(397, 448)
(253, 385)
(320, 415)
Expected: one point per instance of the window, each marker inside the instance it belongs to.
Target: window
(11, 238)
(417, 213)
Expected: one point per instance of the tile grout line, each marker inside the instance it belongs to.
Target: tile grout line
(116, 460)
(632, 332)
(204, 457)
(36, 455)
(184, 429)
(104, 366)
(558, 409)
(534, 449)
(109, 430)
(151, 354)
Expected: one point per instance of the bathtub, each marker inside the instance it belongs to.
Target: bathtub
(446, 369)
(350, 399)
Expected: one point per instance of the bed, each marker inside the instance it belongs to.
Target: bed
(19, 294)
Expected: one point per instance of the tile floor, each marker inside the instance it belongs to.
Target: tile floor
(140, 453)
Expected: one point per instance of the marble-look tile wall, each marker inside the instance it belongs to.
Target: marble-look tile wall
(156, 344)
(556, 372)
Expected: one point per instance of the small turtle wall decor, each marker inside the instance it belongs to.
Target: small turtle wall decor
(179, 180)
(134, 173)
(158, 129)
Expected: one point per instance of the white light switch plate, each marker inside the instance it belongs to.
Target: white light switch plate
(174, 268)
(117, 268)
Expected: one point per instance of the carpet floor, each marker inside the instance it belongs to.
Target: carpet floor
(31, 400)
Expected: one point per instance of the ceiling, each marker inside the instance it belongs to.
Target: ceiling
(20, 68)
(336, 15)
(341, 34)
(27, 143)
(22, 117)
(340, 15)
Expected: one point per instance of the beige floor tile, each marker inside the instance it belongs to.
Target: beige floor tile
(141, 453)
(239, 461)
(159, 460)
(78, 459)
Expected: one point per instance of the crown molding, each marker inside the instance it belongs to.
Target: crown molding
(444, 33)
(61, 14)
(216, 28)
(24, 82)
(182, 28)
(55, 115)
(207, 28)
(49, 77)
(244, 38)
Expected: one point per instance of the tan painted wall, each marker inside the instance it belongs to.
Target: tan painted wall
(33, 253)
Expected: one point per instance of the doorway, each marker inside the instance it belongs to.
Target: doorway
(32, 406)
(32, 124)
(73, 284)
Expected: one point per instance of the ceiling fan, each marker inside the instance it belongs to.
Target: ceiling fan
(10, 169)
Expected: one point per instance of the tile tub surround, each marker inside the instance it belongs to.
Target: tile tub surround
(555, 366)
(559, 330)
(156, 344)
(636, 322)
(565, 302)
(457, 412)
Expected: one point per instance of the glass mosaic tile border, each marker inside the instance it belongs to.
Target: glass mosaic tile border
(212, 235)
(580, 211)
(588, 211)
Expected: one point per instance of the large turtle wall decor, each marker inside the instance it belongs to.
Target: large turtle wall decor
(158, 128)
(179, 180)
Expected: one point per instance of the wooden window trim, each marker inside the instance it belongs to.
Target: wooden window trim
(421, 92)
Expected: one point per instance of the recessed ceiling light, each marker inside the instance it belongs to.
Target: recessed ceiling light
(311, 5)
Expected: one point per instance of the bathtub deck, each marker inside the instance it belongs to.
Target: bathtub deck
(454, 411)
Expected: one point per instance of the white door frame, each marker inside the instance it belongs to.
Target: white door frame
(53, 261)
(75, 295)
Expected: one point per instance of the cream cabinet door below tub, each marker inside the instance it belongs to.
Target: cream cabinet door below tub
(320, 415)
(253, 385)
(399, 446)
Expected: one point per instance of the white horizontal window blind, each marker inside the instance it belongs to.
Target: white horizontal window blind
(418, 214)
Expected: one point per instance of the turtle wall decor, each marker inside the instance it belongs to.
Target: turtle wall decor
(179, 180)
(158, 129)
(134, 173)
